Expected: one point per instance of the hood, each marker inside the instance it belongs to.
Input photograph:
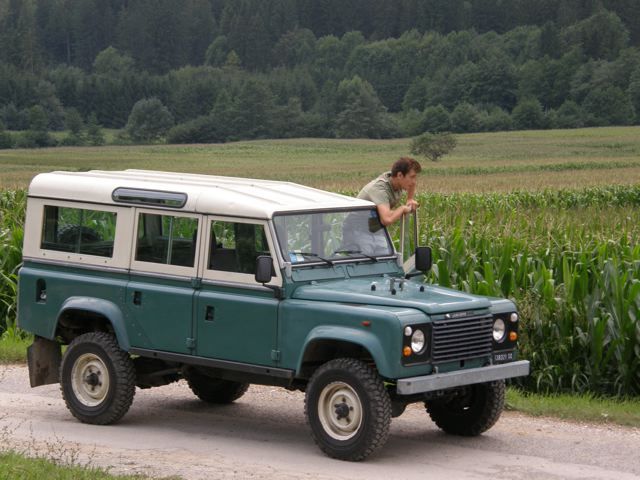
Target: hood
(433, 300)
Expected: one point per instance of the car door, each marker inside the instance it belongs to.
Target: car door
(162, 284)
(236, 318)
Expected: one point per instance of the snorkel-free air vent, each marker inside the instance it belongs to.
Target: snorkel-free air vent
(149, 197)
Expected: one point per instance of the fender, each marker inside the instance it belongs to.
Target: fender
(364, 339)
(103, 307)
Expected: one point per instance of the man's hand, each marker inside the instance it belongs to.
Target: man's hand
(413, 205)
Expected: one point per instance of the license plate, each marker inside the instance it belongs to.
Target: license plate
(502, 357)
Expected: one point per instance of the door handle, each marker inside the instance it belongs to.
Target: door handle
(137, 298)
(209, 313)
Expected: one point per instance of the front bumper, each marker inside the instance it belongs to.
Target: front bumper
(440, 381)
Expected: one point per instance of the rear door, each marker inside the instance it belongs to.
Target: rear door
(160, 293)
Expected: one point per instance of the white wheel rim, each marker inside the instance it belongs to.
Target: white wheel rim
(90, 380)
(340, 411)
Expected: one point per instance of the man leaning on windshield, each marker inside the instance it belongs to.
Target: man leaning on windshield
(386, 193)
(386, 190)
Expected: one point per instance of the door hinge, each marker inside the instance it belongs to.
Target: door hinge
(275, 355)
(191, 343)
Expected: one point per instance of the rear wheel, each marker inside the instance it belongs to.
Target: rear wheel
(475, 409)
(348, 409)
(97, 379)
(214, 390)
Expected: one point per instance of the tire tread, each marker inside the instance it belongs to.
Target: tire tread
(124, 379)
(380, 415)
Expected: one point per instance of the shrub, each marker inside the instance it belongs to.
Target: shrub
(149, 120)
(433, 145)
(465, 118)
(436, 119)
(203, 129)
(608, 106)
(6, 140)
(528, 115)
(497, 120)
(35, 139)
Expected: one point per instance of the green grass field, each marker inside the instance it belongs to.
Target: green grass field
(484, 162)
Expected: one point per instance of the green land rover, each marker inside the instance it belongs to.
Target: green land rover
(152, 277)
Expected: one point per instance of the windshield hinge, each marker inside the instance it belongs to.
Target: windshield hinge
(275, 355)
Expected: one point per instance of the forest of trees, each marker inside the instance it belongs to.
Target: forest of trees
(220, 70)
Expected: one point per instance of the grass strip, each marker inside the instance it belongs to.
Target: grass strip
(585, 408)
(14, 465)
(13, 349)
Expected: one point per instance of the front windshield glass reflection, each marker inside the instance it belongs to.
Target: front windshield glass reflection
(330, 236)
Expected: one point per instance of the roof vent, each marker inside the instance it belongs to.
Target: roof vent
(149, 197)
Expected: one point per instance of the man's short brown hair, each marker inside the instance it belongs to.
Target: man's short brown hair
(404, 165)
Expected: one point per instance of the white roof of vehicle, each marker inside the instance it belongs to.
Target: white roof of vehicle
(209, 194)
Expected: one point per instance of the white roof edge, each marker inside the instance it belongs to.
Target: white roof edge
(232, 196)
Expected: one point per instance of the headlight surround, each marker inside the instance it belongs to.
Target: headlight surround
(418, 341)
(499, 330)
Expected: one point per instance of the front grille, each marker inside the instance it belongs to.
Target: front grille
(462, 338)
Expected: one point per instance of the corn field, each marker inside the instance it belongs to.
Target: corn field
(12, 208)
(570, 260)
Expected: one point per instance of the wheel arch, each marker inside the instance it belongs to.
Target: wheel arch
(80, 315)
(328, 342)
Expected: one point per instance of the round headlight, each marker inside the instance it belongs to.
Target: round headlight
(417, 341)
(499, 330)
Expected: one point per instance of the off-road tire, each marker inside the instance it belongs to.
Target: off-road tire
(475, 411)
(97, 379)
(214, 390)
(347, 409)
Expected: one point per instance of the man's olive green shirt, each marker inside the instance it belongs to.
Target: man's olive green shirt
(380, 191)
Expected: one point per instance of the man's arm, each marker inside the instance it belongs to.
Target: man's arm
(410, 201)
(388, 216)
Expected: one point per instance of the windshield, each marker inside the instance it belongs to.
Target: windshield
(330, 236)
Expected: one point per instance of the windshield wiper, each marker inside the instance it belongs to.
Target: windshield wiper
(356, 252)
(311, 254)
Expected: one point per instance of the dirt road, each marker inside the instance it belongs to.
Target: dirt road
(168, 431)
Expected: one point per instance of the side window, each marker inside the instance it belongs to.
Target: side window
(167, 239)
(78, 230)
(234, 247)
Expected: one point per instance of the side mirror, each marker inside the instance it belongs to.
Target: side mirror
(423, 259)
(264, 269)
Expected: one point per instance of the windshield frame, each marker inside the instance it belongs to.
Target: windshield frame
(354, 258)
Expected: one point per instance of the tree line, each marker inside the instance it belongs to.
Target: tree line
(220, 70)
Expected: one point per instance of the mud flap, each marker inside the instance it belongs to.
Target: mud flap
(44, 357)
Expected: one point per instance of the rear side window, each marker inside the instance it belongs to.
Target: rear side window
(167, 239)
(78, 230)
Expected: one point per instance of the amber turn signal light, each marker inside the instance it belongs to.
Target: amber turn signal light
(513, 336)
(406, 351)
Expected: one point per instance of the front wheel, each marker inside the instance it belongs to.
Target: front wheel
(348, 409)
(475, 409)
(97, 379)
